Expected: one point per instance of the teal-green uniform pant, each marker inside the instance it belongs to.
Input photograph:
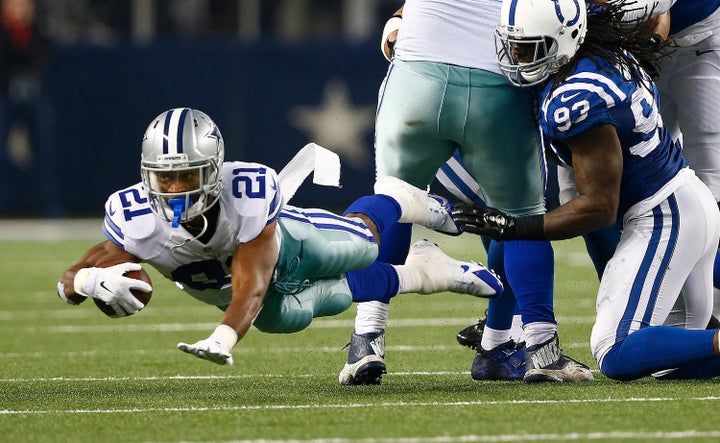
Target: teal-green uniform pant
(428, 110)
(317, 248)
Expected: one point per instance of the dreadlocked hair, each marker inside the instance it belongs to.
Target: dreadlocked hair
(611, 37)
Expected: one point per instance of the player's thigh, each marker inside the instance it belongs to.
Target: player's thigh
(501, 147)
(318, 243)
(408, 144)
(658, 253)
(286, 313)
(283, 313)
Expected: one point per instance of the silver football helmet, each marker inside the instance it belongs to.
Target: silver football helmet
(182, 140)
(536, 37)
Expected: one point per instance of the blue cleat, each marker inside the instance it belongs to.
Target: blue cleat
(504, 362)
(365, 363)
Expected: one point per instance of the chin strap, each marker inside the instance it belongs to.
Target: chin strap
(186, 241)
(178, 207)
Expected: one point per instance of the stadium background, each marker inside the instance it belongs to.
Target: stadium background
(274, 75)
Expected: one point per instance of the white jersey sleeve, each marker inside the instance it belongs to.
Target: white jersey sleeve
(128, 216)
(251, 194)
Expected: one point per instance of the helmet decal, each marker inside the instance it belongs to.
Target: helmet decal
(561, 17)
(513, 8)
(177, 129)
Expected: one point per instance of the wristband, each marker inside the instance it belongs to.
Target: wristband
(84, 282)
(226, 334)
(530, 227)
(62, 295)
(392, 25)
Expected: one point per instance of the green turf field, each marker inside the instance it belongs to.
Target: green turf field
(69, 374)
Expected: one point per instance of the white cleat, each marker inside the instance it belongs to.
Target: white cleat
(418, 206)
(547, 363)
(440, 272)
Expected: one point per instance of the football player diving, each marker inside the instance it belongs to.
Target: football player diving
(223, 233)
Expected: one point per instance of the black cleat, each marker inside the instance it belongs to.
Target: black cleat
(471, 336)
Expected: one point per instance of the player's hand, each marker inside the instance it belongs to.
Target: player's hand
(483, 220)
(389, 37)
(111, 286)
(211, 348)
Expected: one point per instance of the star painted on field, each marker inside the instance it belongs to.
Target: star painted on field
(337, 124)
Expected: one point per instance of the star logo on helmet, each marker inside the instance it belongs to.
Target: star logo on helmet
(215, 133)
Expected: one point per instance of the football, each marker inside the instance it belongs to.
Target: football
(144, 297)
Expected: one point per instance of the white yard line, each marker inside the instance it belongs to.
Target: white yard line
(50, 229)
(575, 436)
(392, 405)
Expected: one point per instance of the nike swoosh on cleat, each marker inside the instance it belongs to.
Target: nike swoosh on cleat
(699, 53)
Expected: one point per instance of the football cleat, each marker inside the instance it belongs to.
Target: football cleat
(440, 272)
(714, 323)
(547, 363)
(471, 336)
(365, 363)
(504, 362)
(418, 206)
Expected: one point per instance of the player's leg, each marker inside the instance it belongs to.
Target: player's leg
(500, 355)
(426, 270)
(410, 92)
(498, 147)
(668, 248)
(455, 177)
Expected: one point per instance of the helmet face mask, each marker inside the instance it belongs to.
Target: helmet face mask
(537, 37)
(182, 152)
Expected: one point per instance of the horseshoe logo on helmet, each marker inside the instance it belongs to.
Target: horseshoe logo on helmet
(561, 17)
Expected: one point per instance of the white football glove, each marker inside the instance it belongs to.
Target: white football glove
(211, 348)
(111, 286)
(215, 348)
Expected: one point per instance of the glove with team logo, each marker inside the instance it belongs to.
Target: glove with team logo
(496, 224)
(111, 286)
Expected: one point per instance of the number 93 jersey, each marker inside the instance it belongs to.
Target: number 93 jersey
(598, 93)
(249, 201)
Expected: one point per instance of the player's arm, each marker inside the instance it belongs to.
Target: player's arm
(389, 35)
(597, 167)
(90, 278)
(251, 271)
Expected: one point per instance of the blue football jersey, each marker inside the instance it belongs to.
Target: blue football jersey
(598, 94)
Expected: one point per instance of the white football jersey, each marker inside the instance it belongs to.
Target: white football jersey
(249, 201)
(456, 32)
